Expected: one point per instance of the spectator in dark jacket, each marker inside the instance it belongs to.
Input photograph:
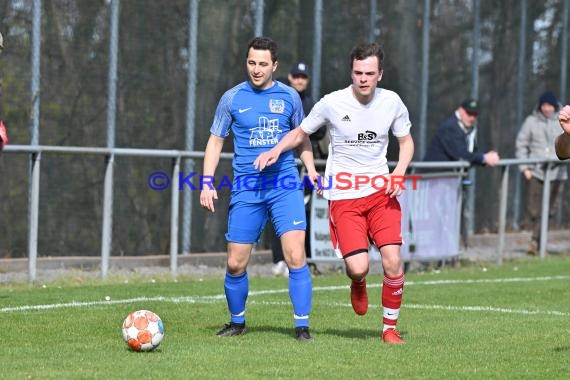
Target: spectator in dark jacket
(299, 79)
(456, 138)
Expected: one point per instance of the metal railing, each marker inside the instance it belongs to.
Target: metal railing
(36, 152)
(109, 153)
(505, 165)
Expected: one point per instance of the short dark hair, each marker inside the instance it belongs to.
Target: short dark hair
(263, 43)
(363, 51)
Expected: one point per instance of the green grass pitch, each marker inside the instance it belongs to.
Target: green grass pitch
(507, 322)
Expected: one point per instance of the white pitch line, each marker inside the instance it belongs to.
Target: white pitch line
(219, 297)
(72, 304)
(430, 282)
(488, 308)
(488, 280)
(433, 307)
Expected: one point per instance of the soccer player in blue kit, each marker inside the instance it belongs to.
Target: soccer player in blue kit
(259, 112)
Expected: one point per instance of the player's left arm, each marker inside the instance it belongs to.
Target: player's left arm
(404, 158)
(562, 142)
(3, 135)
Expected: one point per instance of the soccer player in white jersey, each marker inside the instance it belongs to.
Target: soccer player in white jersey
(259, 112)
(361, 210)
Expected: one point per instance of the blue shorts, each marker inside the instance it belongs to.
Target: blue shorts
(249, 211)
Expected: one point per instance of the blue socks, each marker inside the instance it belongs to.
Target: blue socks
(236, 288)
(301, 293)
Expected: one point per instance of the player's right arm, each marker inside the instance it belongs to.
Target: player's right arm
(295, 137)
(291, 140)
(211, 160)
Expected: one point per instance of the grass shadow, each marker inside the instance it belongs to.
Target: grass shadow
(351, 333)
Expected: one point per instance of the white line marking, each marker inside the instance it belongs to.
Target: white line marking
(73, 304)
(220, 297)
(488, 280)
(433, 307)
(487, 308)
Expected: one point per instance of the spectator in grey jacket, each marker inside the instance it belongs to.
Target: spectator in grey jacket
(535, 140)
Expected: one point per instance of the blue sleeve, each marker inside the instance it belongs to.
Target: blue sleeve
(298, 113)
(223, 118)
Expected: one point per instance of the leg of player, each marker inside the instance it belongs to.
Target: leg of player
(300, 283)
(357, 267)
(349, 235)
(392, 291)
(236, 286)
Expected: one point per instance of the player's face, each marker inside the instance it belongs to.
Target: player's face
(365, 77)
(260, 68)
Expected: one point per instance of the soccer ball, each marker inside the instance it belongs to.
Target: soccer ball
(143, 330)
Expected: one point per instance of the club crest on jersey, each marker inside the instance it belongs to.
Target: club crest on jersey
(277, 105)
(266, 132)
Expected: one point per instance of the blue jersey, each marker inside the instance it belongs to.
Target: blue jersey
(258, 119)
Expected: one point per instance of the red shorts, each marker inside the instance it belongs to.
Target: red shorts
(355, 223)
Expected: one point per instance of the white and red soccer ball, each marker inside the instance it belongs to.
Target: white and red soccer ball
(143, 330)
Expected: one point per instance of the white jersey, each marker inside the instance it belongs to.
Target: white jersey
(358, 138)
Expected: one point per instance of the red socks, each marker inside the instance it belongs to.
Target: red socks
(392, 291)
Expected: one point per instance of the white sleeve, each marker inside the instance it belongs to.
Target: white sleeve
(401, 124)
(316, 118)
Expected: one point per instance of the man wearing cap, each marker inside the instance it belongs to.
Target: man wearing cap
(299, 78)
(3, 133)
(534, 140)
(456, 138)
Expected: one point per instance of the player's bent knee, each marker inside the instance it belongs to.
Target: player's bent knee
(235, 269)
(357, 266)
(236, 264)
(357, 272)
(296, 260)
(357, 275)
(392, 267)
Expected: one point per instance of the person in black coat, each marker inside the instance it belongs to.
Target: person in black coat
(456, 138)
(299, 79)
